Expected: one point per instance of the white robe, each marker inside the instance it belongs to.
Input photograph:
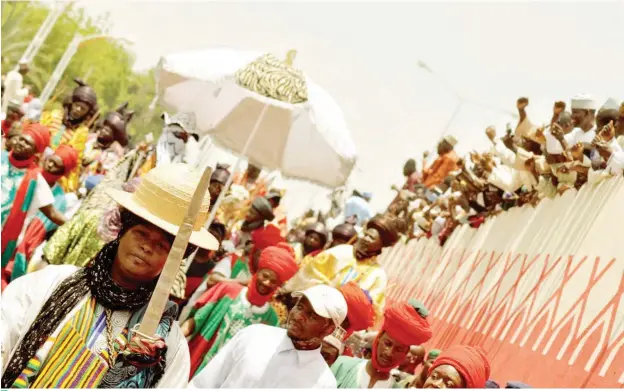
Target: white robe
(261, 356)
(23, 299)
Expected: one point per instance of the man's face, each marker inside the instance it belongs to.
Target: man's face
(78, 110)
(390, 353)
(444, 376)
(312, 241)
(142, 253)
(304, 324)
(105, 136)
(215, 189)
(330, 353)
(368, 244)
(23, 146)
(54, 165)
(253, 172)
(253, 215)
(14, 116)
(267, 281)
(581, 118)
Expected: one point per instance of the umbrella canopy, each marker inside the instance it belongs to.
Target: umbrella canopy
(301, 131)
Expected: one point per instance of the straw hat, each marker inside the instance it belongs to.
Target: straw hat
(163, 198)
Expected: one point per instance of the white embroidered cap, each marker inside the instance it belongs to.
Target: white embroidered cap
(584, 102)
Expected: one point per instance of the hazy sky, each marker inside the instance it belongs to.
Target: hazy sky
(365, 54)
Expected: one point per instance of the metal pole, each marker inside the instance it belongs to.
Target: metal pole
(228, 183)
(43, 32)
(450, 121)
(72, 48)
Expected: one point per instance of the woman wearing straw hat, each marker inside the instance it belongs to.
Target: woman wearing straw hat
(65, 327)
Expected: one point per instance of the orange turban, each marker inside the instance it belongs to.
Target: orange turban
(360, 313)
(405, 325)
(280, 259)
(470, 362)
(40, 135)
(68, 155)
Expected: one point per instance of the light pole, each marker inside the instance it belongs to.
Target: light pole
(43, 32)
(71, 50)
(460, 101)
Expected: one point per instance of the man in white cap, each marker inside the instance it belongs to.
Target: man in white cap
(262, 356)
(584, 118)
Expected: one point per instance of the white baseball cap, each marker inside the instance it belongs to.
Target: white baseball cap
(326, 301)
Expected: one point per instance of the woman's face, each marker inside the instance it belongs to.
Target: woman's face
(78, 110)
(23, 146)
(444, 376)
(390, 353)
(267, 281)
(142, 253)
(368, 244)
(54, 165)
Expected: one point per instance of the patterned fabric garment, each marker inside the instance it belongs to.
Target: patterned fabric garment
(77, 241)
(36, 233)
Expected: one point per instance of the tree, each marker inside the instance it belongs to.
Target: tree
(106, 62)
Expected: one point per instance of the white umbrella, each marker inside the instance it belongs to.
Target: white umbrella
(302, 138)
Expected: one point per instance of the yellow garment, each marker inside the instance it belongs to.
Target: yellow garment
(338, 266)
(76, 138)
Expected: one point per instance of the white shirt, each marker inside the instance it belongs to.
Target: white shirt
(364, 378)
(577, 135)
(23, 298)
(263, 356)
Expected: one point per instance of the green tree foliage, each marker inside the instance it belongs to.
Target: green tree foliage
(106, 64)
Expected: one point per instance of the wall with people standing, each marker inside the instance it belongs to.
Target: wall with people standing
(541, 290)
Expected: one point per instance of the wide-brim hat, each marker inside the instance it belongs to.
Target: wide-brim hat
(163, 198)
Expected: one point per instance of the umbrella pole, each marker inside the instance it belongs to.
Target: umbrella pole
(228, 183)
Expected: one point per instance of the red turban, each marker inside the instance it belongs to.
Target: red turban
(280, 259)
(69, 156)
(39, 133)
(405, 325)
(265, 237)
(470, 362)
(360, 312)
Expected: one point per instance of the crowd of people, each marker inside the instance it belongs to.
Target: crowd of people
(583, 145)
(89, 219)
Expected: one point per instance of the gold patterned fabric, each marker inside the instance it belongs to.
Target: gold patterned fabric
(75, 242)
(274, 78)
